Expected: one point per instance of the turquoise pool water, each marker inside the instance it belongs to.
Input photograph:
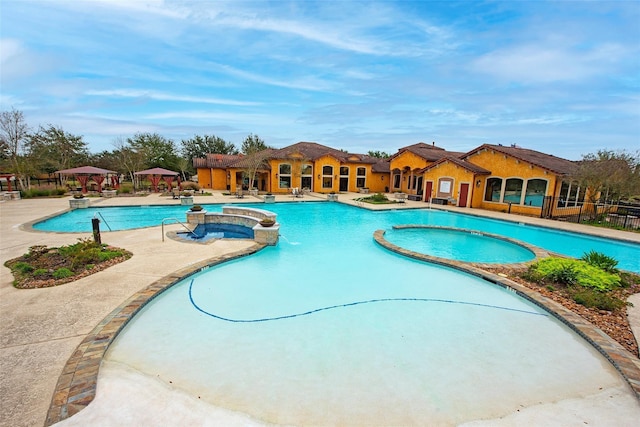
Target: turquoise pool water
(458, 245)
(123, 218)
(329, 328)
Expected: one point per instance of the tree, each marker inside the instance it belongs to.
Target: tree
(200, 146)
(14, 144)
(54, 149)
(608, 175)
(158, 151)
(378, 154)
(130, 158)
(256, 153)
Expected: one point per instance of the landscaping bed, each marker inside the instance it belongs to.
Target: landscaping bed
(44, 267)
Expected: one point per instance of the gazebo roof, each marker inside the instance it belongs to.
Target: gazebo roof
(157, 171)
(85, 170)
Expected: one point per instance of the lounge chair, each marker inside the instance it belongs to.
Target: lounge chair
(176, 193)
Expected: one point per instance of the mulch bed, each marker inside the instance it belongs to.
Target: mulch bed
(613, 323)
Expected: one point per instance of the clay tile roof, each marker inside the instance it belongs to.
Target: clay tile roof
(427, 151)
(313, 151)
(551, 163)
(462, 163)
(381, 166)
(216, 161)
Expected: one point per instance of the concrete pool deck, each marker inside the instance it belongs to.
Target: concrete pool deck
(42, 328)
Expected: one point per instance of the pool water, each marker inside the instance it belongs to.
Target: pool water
(329, 328)
(458, 245)
(571, 244)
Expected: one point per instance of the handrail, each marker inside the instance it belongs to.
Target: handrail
(105, 221)
(179, 222)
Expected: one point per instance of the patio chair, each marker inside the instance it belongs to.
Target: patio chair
(239, 194)
(176, 193)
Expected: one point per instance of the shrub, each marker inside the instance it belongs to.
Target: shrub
(62, 273)
(41, 272)
(23, 267)
(190, 185)
(602, 301)
(600, 260)
(570, 271)
(125, 188)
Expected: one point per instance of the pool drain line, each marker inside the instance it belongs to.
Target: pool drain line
(352, 304)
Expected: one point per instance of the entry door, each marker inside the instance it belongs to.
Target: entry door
(344, 183)
(464, 193)
(428, 190)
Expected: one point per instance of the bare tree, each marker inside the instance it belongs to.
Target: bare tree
(256, 153)
(14, 139)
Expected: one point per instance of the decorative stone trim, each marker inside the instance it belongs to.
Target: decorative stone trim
(79, 203)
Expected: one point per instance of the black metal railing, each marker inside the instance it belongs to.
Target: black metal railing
(620, 215)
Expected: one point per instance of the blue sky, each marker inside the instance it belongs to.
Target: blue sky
(558, 77)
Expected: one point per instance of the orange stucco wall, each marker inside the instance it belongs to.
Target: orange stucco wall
(505, 167)
(457, 174)
(215, 179)
(404, 161)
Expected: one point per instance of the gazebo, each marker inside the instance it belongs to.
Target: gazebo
(156, 174)
(83, 173)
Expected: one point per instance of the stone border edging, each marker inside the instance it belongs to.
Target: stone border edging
(622, 360)
(76, 386)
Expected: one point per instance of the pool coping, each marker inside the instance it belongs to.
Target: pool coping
(77, 383)
(622, 360)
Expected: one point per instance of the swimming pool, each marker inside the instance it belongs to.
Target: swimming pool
(571, 244)
(457, 244)
(328, 328)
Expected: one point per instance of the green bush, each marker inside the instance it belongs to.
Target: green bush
(23, 267)
(570, 271)
(62, 273)
(41, 272)
(600, 260)
(125, 188)
(602, 301)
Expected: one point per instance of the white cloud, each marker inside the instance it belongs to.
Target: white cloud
(160, 96)
(536, 63)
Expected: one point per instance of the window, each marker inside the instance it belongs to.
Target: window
(307, 177)
(284, 175)
(570, 195)
(344, 171)
(327, 177)
(513, 191)
(396, 180)
(536, 190)
(445, 188)
(361, 179)
(493, 190)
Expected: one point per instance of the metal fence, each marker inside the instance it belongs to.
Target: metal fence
(620, 215)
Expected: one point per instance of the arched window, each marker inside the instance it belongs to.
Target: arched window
(327, 177)
(536, 190)
(513, 191)
(344, 171)
(284, 175)
(493, 190)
